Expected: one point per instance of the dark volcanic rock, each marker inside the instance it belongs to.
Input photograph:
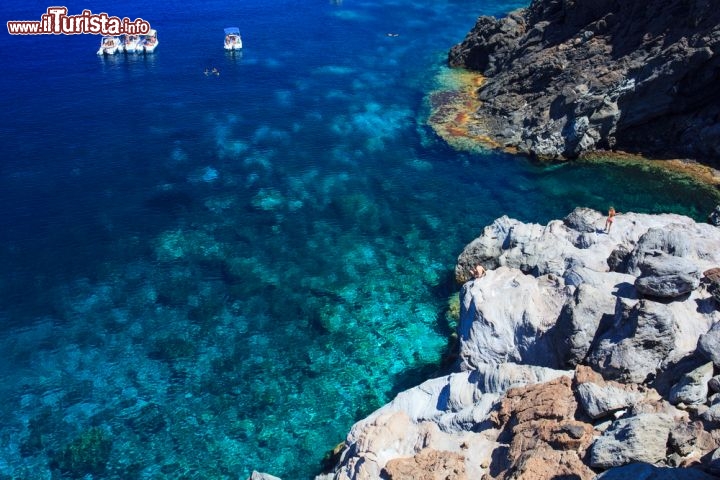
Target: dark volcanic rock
(667, 276)
(634, 348)
(709, 344)
(617, 261)
(712, 278)
(579, 321)
(570, 76)
(642, 438)
(714, 217)
(651, 472)
(692, 389)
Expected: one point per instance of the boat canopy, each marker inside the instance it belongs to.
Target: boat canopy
(232, 31)
(152, 33)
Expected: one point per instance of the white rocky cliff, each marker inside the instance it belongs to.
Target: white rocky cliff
(581, 353)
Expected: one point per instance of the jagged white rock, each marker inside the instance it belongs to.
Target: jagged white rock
(549, 301)
(445, 413)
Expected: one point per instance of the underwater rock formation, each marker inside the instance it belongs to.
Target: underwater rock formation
(565, 367)
(564, 77)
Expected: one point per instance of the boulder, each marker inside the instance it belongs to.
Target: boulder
(714, 217)
(618, 259)
(712, 278)
(504, 318)
(694, 242)
(584, 220)
(634, 349)
(666, 276)
(599, 398)
(714, 382)
(712, 414)
(644, 471)
(690, 441)
(709, 344)
(692, 389)
(642, 438)
(578, 322)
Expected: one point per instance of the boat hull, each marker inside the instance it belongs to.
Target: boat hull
(108, 50)
(149, 48)
(132, 48)
(110, 46)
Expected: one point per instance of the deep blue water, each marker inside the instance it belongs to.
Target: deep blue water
(206, 275)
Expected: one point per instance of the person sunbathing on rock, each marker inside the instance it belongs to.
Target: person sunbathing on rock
(479, 271)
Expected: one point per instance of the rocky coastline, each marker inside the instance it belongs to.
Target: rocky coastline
(581, 354)
(564, 77)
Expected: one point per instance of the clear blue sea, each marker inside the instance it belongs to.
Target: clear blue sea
(202, 275)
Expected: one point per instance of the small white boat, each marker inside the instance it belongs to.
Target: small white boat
(131, 43)
(149, 42)
(109, 45)
(232, 39)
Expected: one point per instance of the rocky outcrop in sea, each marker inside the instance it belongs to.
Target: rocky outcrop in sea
(581, 354)
(566, 77)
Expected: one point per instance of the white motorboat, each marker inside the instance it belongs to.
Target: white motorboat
(149, 42)
(131, 43)
(109, 45)
(233, 41)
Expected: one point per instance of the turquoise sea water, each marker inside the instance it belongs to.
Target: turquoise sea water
(206, 275)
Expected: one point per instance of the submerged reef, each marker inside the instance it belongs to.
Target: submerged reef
(583, 352)
(88, 454)
(565, 77)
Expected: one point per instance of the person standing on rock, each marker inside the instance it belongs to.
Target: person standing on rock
(610, 218)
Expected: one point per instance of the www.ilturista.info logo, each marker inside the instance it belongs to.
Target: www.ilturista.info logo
(56, 21)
